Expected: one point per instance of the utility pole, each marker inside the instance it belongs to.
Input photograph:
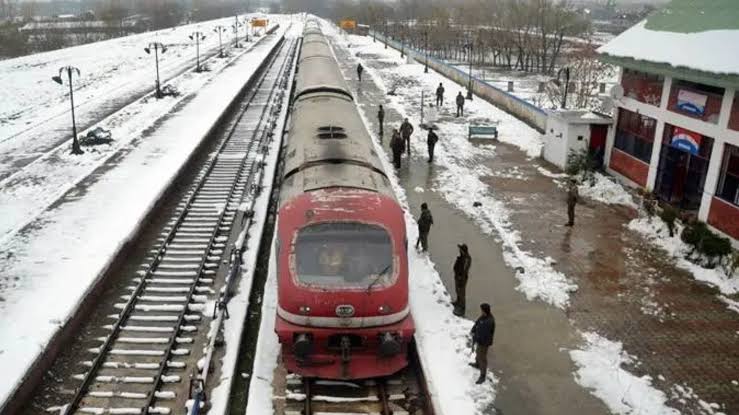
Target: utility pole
(58, 79)
(384, 23)
(220, 29)
(469, 51)
(235, 27)
(426, 48)
(156, 46)
(197, 37)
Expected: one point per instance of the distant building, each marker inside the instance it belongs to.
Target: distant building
(677, 124)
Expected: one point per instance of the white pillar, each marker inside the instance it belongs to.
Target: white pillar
(659, 132)
(717, 156)
(611, 136)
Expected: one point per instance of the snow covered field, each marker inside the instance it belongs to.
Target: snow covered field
(58, 257)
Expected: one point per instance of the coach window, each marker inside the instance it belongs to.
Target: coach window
(344, 254)
(728, 184)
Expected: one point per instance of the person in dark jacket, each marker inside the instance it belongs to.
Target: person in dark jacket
(461, 274)
(460, 104)
(572, 199)
(431, 140)
(424, 226)
(440, 95)
(483, 332)
(381, 120)
(397, 146)
(360, 69)
(406, 129)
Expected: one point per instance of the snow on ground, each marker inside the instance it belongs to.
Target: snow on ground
(30, 190)
(606, 190)
(54, 262)
(461, 181)
(656, 232)
(599, 369)
(108, 68)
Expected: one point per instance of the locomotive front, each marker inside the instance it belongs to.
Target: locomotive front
(341, 245)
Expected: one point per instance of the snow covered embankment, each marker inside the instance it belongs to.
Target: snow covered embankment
(57, 262)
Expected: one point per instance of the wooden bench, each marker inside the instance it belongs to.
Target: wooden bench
(482, 131)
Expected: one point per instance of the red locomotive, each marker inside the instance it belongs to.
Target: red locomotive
(342, 263)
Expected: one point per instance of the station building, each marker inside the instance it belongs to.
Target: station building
(676, 112)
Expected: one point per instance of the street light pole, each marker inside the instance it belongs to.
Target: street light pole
(219, 29)
(385, 30)
(402, 41)
(235, 27)
(469, 51)
(58, 79)
(197, 37)
(426, 47)
(156, 46)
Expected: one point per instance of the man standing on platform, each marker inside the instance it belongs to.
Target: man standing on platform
(461, 274)
(431, 140)
(406, 129)
(440, 95)
(381, 120)
(396, 145)
(360, 69)
(460, 104)
(424, 226)
(483, 333)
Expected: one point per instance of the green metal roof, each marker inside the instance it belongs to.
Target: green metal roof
(690, 16)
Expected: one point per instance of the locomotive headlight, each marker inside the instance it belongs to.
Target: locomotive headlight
(384, 309)
(304, 310)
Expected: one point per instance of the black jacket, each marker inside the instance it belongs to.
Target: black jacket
(381, 114)
(406, 129)
(425, 221)
(462, 265)
(460, 100)
(397, 143)
(440, 91)
(432, 138)
(484, 330)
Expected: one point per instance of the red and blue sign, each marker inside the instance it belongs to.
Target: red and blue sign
(691, 102)
(686, 140)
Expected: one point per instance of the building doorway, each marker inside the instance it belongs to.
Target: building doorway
(682, 168)
(597, 145)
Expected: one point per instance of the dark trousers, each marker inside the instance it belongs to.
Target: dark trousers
(396, 158)
(423, 239)
(407, 140)
(431, 151)
(382, 126)
(359, 75)
(460, 286)
(460, 110)
(570, 214)
(481, 358)
(439, 101)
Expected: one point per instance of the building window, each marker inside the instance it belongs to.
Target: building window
(635, 134)
(696, 100)
(728, 184)
(734, 118)
(642, 86)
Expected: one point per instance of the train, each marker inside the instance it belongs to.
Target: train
(341, 243)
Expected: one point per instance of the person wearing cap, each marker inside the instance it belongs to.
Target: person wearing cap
(483, 332)
(572, 199)
(461, 274)
(424, 226)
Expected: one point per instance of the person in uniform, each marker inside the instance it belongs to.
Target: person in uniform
(572, 199)
(461, 274)
(483, 332)
(424, 226)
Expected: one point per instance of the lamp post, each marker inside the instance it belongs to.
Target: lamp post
(235, 27)
(156, 46)
(58, 79)
(197, 37)
(426, 48)
(469, 52)
(246, 25)
(219, 29)
(384, 24)
(566, 72)
(402, 41)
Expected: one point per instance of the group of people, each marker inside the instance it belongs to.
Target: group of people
(483, 330)
(400, 142)
(440, 100)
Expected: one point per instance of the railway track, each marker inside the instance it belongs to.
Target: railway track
(400, 394)
(153, 346)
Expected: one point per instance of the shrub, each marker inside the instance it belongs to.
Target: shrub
(669, 215)
(715, 248)
(732, 265)
(693, 234)
(581, 162)
(649, 203)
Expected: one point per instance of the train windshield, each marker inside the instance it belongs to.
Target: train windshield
(344, 254)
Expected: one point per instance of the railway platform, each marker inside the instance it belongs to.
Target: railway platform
(614, 282)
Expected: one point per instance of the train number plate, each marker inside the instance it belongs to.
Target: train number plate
(345, 310)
